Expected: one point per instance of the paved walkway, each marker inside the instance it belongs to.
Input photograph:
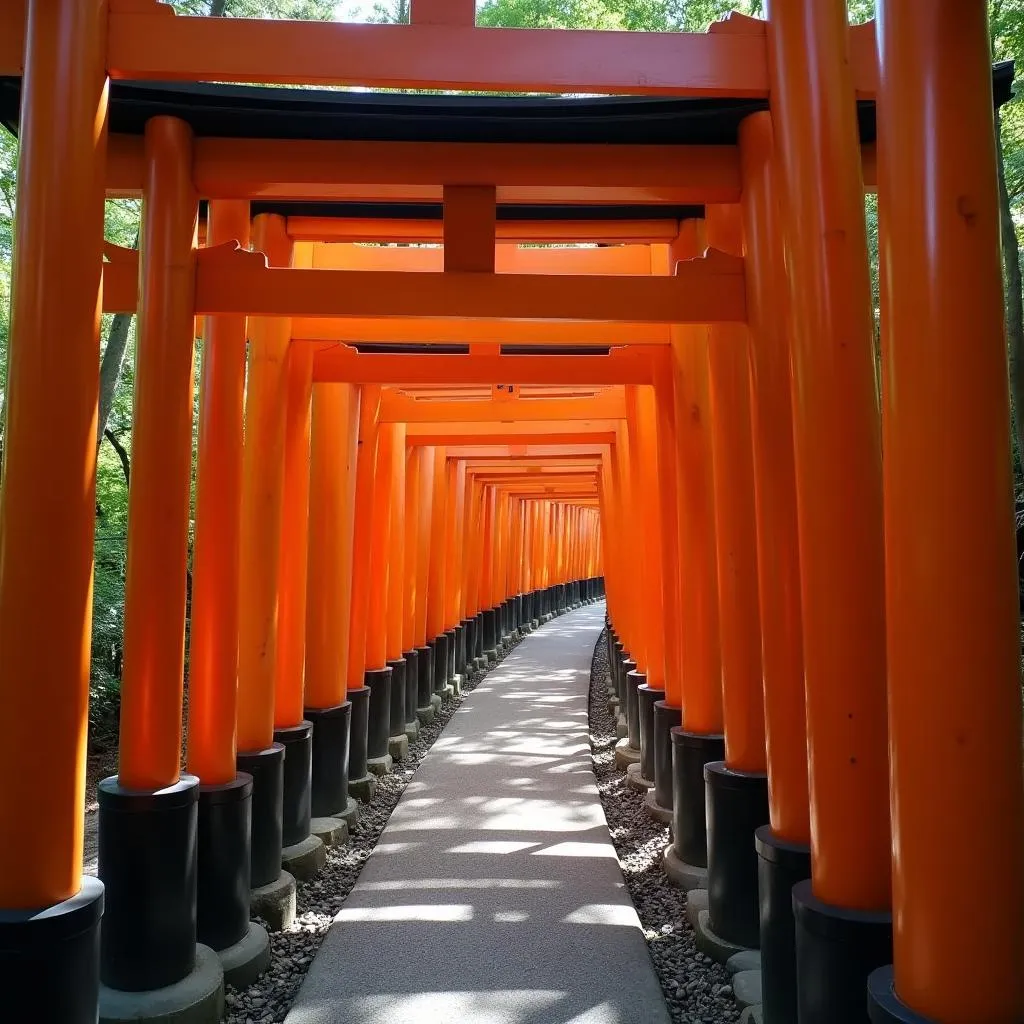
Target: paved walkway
(494, 895)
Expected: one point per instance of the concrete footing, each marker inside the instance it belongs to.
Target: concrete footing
(709, 943)
(656, 810)
(436, 700)
(426, 715)
(456, 685)
(746, 988)
(305, 858)
(625, 755)
(635, 779)
(275, 902)
(364, 788)
(379, 765)
(350, 814)
(621, 727)
(686, 876)
(412, 731)
(247, 959)
(197, 999)
(696, 901)
(747, 960)
(332, 831)
(752, 1015)
(398, 747)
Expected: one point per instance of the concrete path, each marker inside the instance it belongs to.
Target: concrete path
(494, 895)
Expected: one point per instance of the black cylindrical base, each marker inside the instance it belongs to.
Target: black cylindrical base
(425, 683)
(147, 863)
(468, 640)
(331, 729)
(450, 676)
(626, 665)
(50, 958)
(884, 1005)
(780, 865)
(459, 657)
(666, 718)
(737, 806)
(412, 685)
(440, 662)
(397, 697)
(646, 698)
(634, 681)
(615, 667)
(297, 741)
(378, 682)
(359, 733)
(690, 752)
(836, 949)
(478, 635)
(490, 634)
(222, 862)
(267, 770)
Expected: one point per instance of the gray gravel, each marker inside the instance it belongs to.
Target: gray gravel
(697, 990)
(318, 901)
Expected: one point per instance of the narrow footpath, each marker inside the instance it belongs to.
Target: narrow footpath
(494, 895)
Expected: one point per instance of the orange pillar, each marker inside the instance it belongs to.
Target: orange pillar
(291, 608)
(413, 469)
(48, 499)
(380, 539)
(838, 452)
(213, 631)
(397, 583)
(439, 512)
(424, 518)
(262, 490)
(951, 584)
(333, 453)
(158, 501)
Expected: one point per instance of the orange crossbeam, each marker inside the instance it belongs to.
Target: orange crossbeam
(396, 408)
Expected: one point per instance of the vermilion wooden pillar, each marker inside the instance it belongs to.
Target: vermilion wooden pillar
(951, 582)
(843, 928)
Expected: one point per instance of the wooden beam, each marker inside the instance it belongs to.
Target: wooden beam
(398, 408)
(469, 218)
(549, 433)
(341, 363)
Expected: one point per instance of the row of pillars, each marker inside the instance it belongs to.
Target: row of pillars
(815, 646)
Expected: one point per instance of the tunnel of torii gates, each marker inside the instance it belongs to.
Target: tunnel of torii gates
(625, 349)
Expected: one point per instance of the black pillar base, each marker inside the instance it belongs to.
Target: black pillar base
(378, 682)
(737, 806)
(478, 635)
(397, 727)
(460, 651)
(267, 770)
(147, 863)
(50, 958)
(626, 665)
(358, 733)
(222, 862)
(836, 949)
(690, 752)
(666, 719)
(331, 730)
(646, 698)
(297, 741)
(425, 682)
(615, 667)
(412, 686)
(466, 649)
(780, 865)
(884, 1006)
(490, 633)
(634, 681)
(440, 662)
(452, 640)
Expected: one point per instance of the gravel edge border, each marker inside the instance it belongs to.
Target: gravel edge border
(697, 990)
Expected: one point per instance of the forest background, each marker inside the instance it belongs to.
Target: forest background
(122, 225)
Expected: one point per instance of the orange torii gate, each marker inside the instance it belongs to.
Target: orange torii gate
(866, 584)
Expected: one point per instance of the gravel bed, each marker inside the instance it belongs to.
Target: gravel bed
(697, 990)
(268, 999)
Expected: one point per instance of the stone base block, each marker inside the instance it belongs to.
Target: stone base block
(621, 727)
(656, 810)
(350, 815)
(448, 692)
(426, 715)
(305, 859)
(748, 960)
(696, 902)
(332, 831)
(398, 747)
(635, 779)
(275, 902)
(379, 765)
(412, 731)
(436, 700)
(625, 755)
(456, 685)
(364, 788)
(752, 1015)
(710, 944)
(492, 658)
(686, 876)
(746, 987)
(247, 959)
(197, 999)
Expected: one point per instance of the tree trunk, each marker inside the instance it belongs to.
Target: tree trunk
(122, 454)
(110, 369)
(217, 8)
(1014, 297)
